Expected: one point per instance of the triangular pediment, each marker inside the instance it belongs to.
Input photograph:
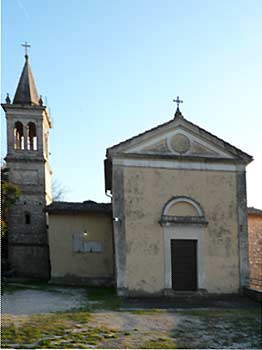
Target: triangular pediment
(179, 142)
(179, 137)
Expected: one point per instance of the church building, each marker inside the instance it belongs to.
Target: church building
(177, 220)
(179, 211)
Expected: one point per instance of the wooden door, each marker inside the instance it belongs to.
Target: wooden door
(184, 262)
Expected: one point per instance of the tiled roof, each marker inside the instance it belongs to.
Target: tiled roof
(79, 207)
(252, 210)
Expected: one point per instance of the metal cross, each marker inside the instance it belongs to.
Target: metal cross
(26, 46)
(178, 101)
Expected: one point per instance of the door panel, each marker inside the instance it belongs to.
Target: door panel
(184, 274)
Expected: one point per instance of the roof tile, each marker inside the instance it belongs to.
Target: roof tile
(79, 207)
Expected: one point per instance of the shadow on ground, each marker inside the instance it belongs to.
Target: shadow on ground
(231, 301)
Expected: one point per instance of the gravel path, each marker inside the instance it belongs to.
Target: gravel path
(27, 302)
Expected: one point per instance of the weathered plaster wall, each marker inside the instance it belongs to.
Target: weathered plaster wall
(255, 250)
(182, 209)
(146, 191)
(71, 266)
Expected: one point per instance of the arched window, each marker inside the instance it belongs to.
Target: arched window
(31, 137)
(18, 136)
(182, 209)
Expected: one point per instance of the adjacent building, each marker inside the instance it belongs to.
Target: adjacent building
(255, 247)
(81, 243)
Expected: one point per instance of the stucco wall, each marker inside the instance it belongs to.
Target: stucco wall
(255, 250)
(182, 209)
(146, 191)
(70, 266)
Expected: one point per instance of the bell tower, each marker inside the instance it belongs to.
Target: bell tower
(27, 160)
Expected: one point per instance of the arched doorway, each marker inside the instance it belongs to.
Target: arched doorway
(183, 220)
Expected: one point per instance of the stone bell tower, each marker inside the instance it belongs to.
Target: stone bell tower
(28, 125)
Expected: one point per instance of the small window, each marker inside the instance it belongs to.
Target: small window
(82, 245)
(27, 218)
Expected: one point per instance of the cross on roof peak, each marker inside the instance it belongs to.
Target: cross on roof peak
(177, 101)
(178, 114)
(26, 46)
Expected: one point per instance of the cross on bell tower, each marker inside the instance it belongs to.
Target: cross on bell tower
(26, 46)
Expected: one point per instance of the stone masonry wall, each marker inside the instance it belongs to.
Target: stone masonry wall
(255, 250)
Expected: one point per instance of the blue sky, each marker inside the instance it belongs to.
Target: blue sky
(110, 69)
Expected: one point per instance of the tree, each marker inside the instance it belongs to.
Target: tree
(9, 195)
(58, 190)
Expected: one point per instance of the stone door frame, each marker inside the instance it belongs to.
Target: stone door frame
(186, 227)
(184, 231)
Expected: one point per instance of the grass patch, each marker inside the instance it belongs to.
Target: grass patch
(57, 331)
(147, 311)
(38, 327)
(103, 298)
(85, 338)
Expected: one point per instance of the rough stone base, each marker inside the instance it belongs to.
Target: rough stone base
(83, 281)
(30, 262)
(167, 293)
(176, 293)
(124, 292)
(253, 294)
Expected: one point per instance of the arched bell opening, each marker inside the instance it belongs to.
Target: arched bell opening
(18, 136)
(31, 137)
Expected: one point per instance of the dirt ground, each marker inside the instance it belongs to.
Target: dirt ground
(33, 301)
(59, 317)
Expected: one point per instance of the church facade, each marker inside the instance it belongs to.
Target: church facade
(179, 209)
(177, 220)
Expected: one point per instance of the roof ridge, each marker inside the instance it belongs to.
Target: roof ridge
(240, 153)
(78, 206)
(218, 138)
(141, 134)
(253, 210)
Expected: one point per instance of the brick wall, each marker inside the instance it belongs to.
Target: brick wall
(255, 250)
